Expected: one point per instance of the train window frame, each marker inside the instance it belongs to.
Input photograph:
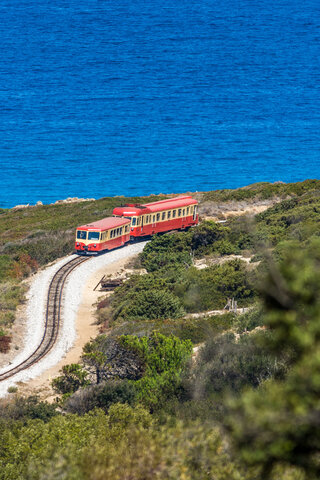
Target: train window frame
(158, 217)
(169, 215)
(187, 211)
(179, 212)
(163, 216)
(154, 219)
(134, 221)
(184, 212)
(174, 213)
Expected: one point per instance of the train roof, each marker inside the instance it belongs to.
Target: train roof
(169, 203)
(105, 224)
(177, 202)
(130, 210)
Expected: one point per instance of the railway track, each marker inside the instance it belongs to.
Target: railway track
(53, 313)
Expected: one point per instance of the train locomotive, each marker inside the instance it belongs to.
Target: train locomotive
(133, 221)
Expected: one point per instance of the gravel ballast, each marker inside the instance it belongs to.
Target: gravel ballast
(36, 307)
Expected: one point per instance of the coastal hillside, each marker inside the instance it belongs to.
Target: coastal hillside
(207, 361)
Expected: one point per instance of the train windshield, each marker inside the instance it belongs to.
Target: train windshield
(94, 236)
(81, 234)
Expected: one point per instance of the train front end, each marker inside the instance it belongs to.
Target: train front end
(102, 235)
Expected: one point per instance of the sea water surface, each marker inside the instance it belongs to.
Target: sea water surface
(115, 97)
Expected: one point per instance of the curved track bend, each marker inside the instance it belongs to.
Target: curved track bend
(53, 313)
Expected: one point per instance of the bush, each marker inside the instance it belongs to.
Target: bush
(24, 409)
(102, 396)
(225, 364)
(210, 288)
(73, 377)
(152, 305)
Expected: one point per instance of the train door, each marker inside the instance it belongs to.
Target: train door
(195, 211)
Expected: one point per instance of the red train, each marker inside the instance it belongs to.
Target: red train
(133, 221)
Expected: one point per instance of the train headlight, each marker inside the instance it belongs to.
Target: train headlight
(78, 244)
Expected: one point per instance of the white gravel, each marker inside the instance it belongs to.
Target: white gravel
(36, 307)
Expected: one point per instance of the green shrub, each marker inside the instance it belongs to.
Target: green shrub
(73, 377)
(102, 396)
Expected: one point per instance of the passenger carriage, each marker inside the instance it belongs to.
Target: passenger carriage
(150, 218)
(104, 234)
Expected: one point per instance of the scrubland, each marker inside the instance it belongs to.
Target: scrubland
(160, 394)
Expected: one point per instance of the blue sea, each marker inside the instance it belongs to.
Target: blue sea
(114, 97)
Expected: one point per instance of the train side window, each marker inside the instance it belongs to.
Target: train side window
(188, 211)
(191, 209)
(179, 212)
(158, 217)
(184, 212)
(120, 230)
(134, 221)
(163, 216)
(154, 218)
(174, 213)
(169, 215)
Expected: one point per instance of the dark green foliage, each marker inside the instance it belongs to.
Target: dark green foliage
(249, 321)
(264, 190)
(228, 364)
(164, 359)
(167, 293)
(102, 396)
(195, 329)
(125, 444)
(210, 288)
(24, 409)
(178, 248)
(205, 236)
(280, 423)
(73, 377)
(166, 250)
(159, 352)
(152, 304)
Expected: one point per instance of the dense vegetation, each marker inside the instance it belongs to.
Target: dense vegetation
(142, 404)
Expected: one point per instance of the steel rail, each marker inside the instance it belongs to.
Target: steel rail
(53, 317)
